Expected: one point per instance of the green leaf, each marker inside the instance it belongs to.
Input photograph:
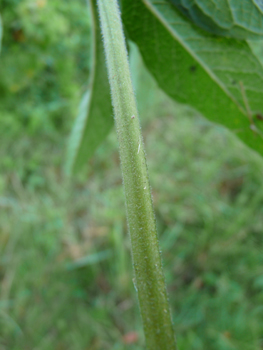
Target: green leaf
(95, 117)
(241, 19)
(220, 77)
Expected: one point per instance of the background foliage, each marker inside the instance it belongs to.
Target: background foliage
(66, 280)
(45, 59)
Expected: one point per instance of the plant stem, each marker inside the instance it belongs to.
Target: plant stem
(149, 278)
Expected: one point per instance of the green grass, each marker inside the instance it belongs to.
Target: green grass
(65, 266)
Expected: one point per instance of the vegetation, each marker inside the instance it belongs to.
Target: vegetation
(38, 85)
(66, 279)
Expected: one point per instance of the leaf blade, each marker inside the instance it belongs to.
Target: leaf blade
(95, 117)
(241, 19)
(196, 62)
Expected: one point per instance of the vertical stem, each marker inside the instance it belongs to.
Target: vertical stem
(149, 277)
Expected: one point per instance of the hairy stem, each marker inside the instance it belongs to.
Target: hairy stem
(149, 278)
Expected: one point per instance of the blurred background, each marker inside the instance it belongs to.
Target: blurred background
(65, 265)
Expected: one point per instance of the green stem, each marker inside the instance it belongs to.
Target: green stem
(147, 264)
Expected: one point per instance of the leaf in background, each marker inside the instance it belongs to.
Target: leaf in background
(95, 117)
(241, 19)
(219, 77)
